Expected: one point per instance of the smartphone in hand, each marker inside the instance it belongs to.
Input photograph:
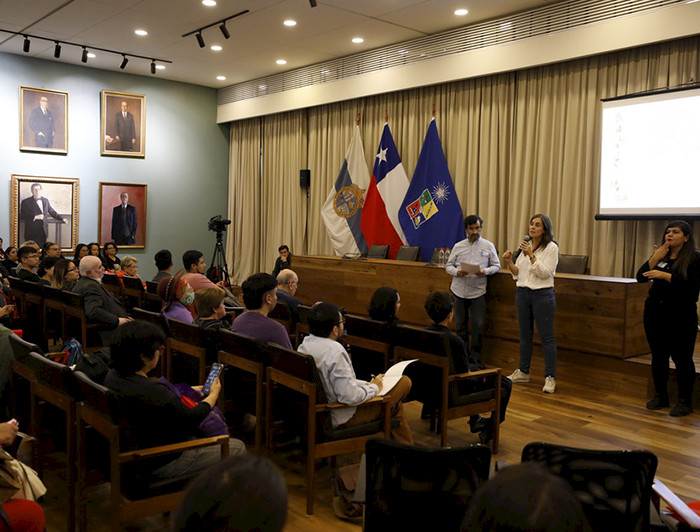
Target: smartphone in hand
(213, 374)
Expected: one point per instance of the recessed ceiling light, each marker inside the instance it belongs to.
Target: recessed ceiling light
(160, 67)
(281, 61)
(141, 33)
(692, 1)
(506, 25)
(91, 55)
(262, 87)
(325, 72)
(290, 23)
(358, 40)
(403, 52)
(216, 47)
(461, 12)
(209, 3)
(221, 78)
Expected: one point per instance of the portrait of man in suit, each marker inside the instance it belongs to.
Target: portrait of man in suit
(125, 128)
(124, 222)
(123, 124)
(34, 213)
(42, 124)
(43, 120)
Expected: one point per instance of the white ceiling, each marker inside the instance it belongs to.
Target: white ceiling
(258, 38)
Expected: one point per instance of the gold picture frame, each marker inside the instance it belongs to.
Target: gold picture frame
(123, 124)
(29, 221)
(123, 224)
(43, 120)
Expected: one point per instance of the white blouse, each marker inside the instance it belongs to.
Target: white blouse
(539, 274)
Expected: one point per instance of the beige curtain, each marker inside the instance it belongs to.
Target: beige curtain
(516, 144)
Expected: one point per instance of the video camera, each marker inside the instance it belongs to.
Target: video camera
(218, 223)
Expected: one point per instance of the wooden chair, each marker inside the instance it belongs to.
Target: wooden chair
(283, 315)
(296, 371)
(133, 494)
(133, 292)
(53, 318)
(156, 318)
(111, 283)
(23, 374)
(151, 299)
(246, 355)
(18, 290)
(33, 316)
(370, 345)
(76, 323)
(301, 328)
(193, 342)
(433, 349)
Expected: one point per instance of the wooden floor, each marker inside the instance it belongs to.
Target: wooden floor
(599, 403)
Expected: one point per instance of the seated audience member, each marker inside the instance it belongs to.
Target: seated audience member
(50, 249)
(110, 261)
(287, 284)
(81, 250)
(195, 267)
(283, 262)
(155, 414)
(65, 274)
(94, 249)
(209, 304)
(129, 267)
(240, 493)
(528, 498)
(164, 263)
(177, 297)
(326, 325)
(260, 297)
(10, 262)
(384, 305)
(440, 308)
(46, 269)
(29, 262)
(100, 305)
(22, 515)
(2, 251)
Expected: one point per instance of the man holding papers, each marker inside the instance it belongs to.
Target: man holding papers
(471, 261)
(326, 325)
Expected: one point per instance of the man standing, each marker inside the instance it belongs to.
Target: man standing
(34, 212)
(124, 222)
(469, 289)
(260, 297)
(100, 305)
(287, 283)
(125, 129)
(41, 123)
(326, 324)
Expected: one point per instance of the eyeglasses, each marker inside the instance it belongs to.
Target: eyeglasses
(341, 322)
(71, 270)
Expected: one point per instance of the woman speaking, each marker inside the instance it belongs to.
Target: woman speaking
(670, 314)
(533, 270)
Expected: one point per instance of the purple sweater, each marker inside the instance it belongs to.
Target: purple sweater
(261, 327)
(178, 311)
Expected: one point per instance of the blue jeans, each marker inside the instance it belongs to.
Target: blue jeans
(536, 306)
(470, 314)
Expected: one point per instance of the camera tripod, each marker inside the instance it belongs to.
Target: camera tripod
(218, 269)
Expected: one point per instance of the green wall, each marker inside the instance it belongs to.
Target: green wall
(186, 163)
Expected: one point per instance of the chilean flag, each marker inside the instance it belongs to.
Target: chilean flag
(387, 189)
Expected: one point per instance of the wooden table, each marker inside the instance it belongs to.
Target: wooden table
(600, 315)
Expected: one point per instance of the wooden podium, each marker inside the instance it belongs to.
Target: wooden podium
(599, 315)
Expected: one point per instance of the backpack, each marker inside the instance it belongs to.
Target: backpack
(75, 352)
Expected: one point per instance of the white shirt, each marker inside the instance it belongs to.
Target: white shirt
(338, 377)
(482, 253)
(541, 273)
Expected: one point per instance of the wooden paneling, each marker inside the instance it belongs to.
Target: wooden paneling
(601, 315)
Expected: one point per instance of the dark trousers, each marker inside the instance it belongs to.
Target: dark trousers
(536, 306)
(470, 314)
(671, 333)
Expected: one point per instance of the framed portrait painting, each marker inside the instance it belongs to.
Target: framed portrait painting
(43, 120)
(123, 214)
(123, 124)
(44, 209)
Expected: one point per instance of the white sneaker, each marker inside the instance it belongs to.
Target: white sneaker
(550, 384)
(519, 376)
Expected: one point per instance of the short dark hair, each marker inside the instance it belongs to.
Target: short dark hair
(240, 493)
(472, 219)
(283, 247)
(46, 247)
(24, 251)
(164, 259)
(438, 305)
(34, 185)
(525, 497)
(382, 306)
(255, 287)
(191, 258)
(322, 318)
(207, 300)
(110, 243)
(131, 341)
(46, 263)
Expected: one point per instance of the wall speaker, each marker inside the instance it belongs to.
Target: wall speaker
(305, 178)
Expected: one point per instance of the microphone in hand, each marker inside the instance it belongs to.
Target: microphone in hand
(519, 251)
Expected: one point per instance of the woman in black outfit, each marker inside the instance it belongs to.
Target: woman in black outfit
(670, 314)
(11, 261)
(110, 261)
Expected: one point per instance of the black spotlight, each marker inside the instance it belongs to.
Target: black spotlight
(153, 67)
(124, 62)
(224, 31)
(57, 50)
(313, 3)
(84, 58)
(200, 40)
(26, 44)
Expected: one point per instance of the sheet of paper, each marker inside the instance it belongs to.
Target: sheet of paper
(393, 375)
(469, 268)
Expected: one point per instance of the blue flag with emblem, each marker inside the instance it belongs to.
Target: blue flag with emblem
(430, 214)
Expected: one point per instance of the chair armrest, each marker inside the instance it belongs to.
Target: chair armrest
(682, 509)
(475, 374)
(140, 454)
(369, 402)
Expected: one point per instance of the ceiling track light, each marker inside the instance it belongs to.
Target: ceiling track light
(224, 31)
(153, 66)
(125, 60)
(84, 58)
(57, 50)
(200, 40)
(27, 44)
(222, 27)
(313, 3)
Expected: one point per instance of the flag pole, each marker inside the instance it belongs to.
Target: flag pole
(357, 119)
